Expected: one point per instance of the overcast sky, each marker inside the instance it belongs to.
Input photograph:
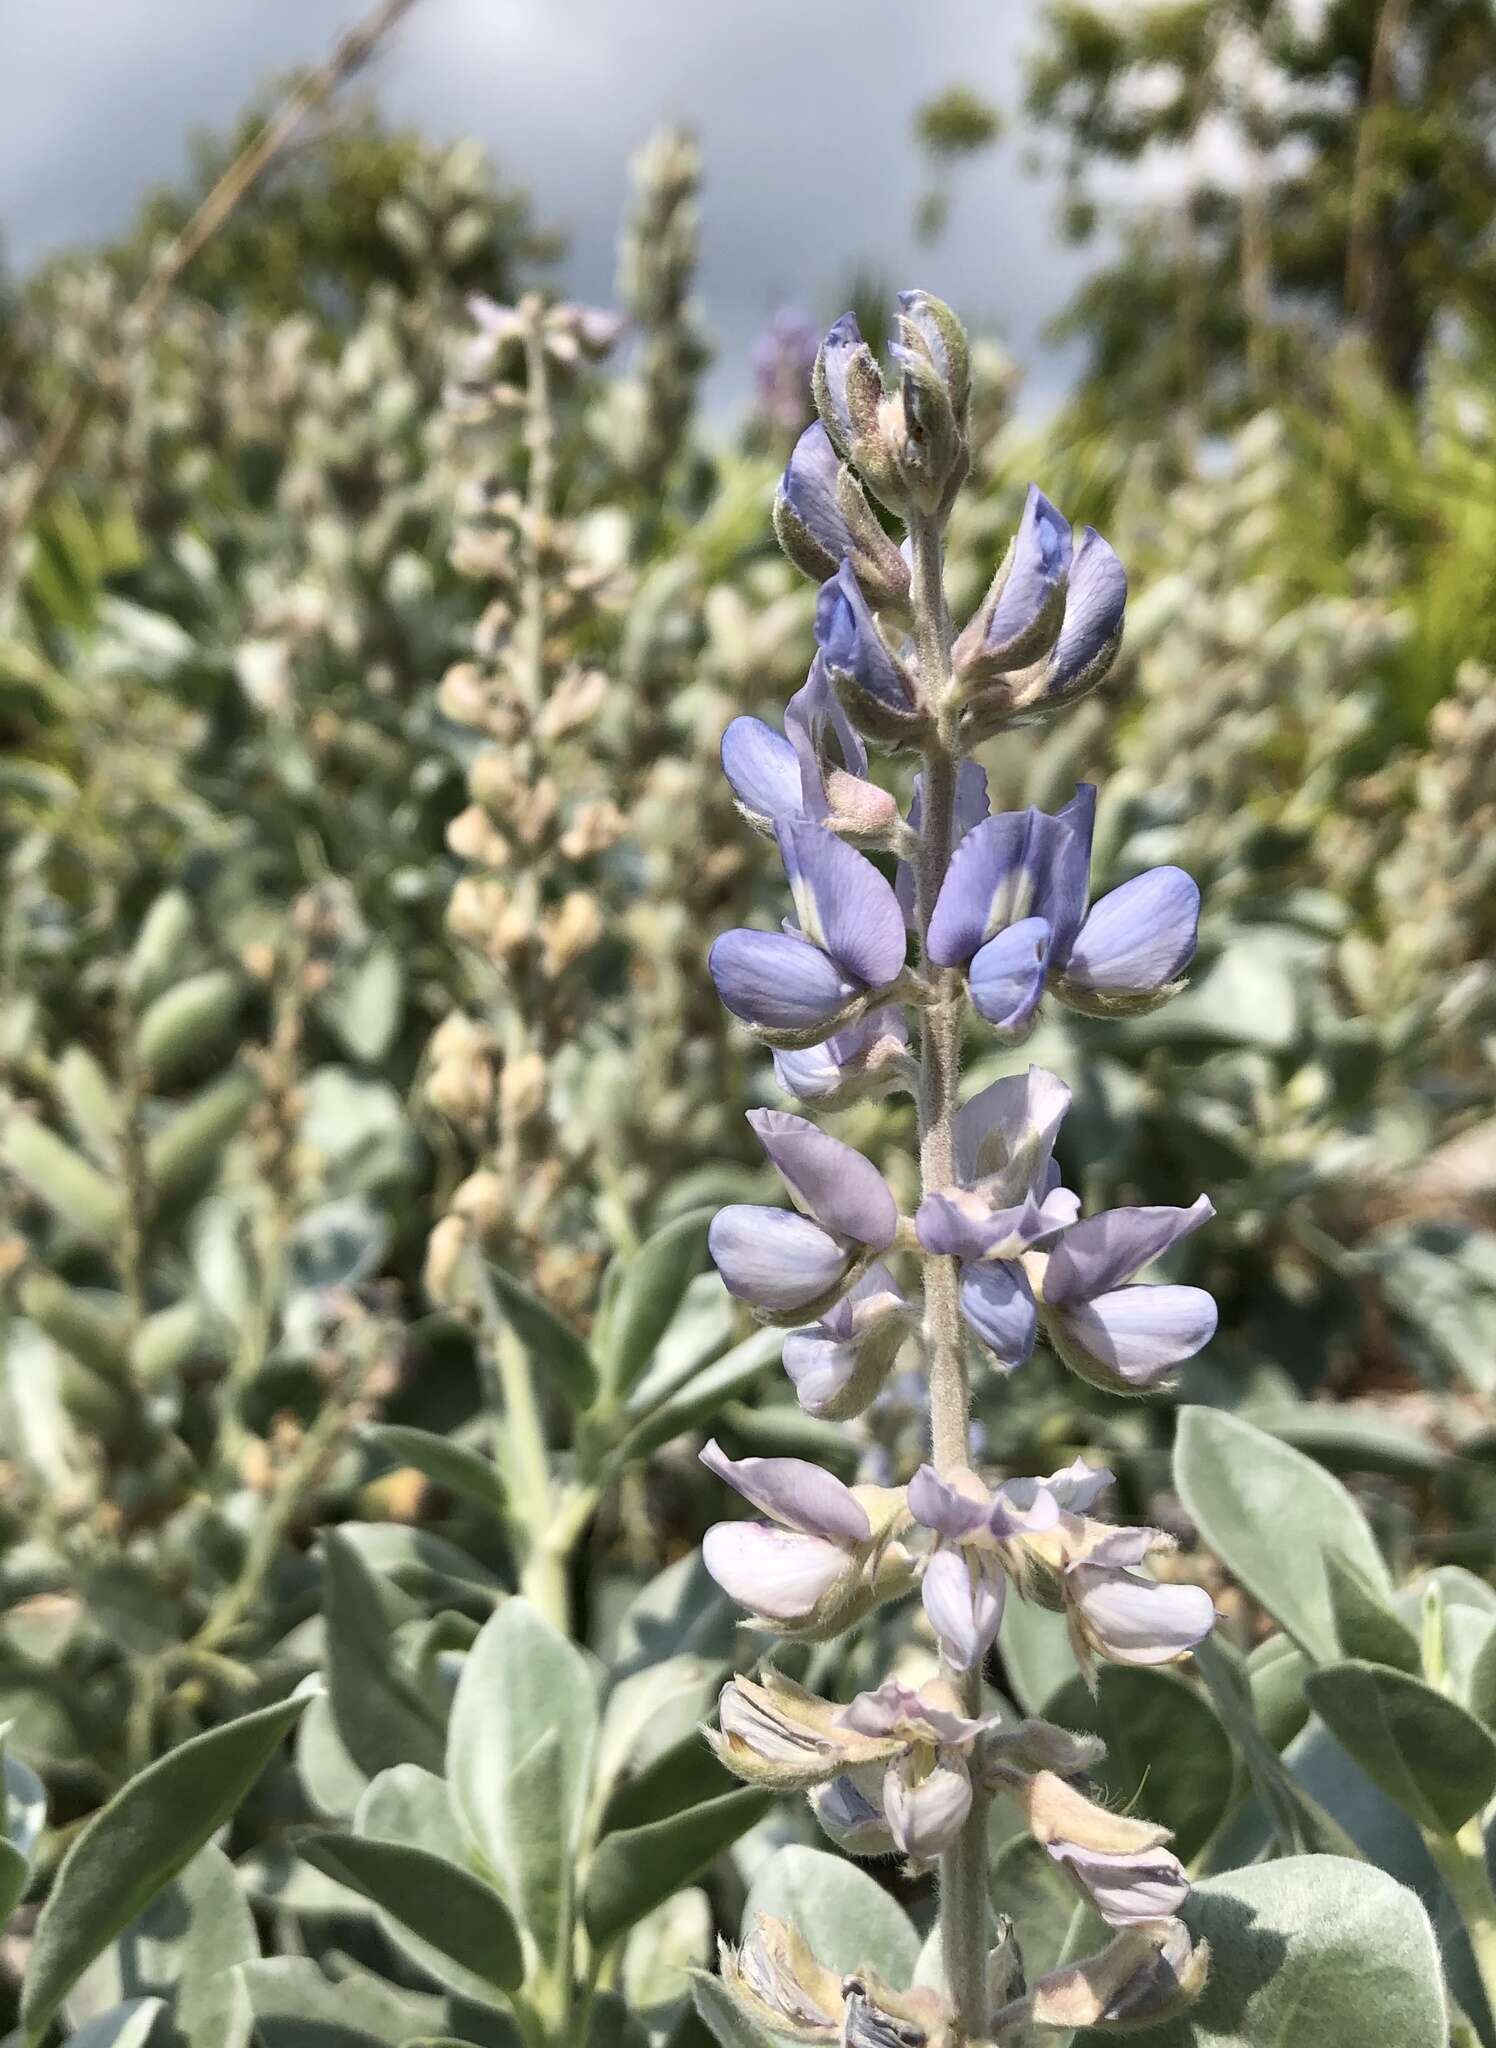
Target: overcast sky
(804, 108)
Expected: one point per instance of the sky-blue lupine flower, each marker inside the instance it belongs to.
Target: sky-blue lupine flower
(848, 943)
(1022, 613)
(972, 805)
(822, 519)
(793, 1263)
(1013, 911)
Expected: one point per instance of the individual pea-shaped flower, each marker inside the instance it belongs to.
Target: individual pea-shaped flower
(787, 1264)
(1117, 1336)
(1145, 1975)
(924, 1792)
(825, 1557)
(1007, 1200)
(841, 958)
(840, 1364)
(773, 1733)
(1117, 1862)
(1090, 633)
(1020, 616)
(816, 770)
(1090, 1571)
(869, 1058)
(1013, 912)
(964, 1582)
(871, 681)
(822, 519)
(775, 1978)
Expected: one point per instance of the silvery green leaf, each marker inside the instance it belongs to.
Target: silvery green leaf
(185, 1946)
(1297, 1822)
(33, 1416)
(1036, 1653)
(332, 1781)
(649, 1291)
(424, 1565)
(847, 1917)
(1422, 1748)
(1167, 1755)
(137, 1844)
(1311, 1949)
(296, 2006)
(610, 2024)
(23, 1815)
(636, 1869)
(682, 1610)
(454, 1917)
(1271, 1515)
(407, 1804)
(557, 1353)
(662, 1947)
(450, 1465)
(1367, 1625)
(363, 1005)
(700, 1397)
(519, 1760)
(701, 1331)
(382, 1716)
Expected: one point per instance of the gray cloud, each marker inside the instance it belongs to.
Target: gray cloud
(804, 111)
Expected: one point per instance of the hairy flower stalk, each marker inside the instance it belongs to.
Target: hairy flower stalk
(1001, 912)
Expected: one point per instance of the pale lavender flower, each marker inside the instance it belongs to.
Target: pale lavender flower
(924, 1792)
(815, 771)
(964, 1583)
(783, 358)
(785, 1263)
(1129, 1618)
(848, 944)
(869, 1058)
(1122, 1337)
(1126, 1888)
(1013, 912)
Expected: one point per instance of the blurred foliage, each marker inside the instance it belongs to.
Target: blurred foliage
(300, 1162)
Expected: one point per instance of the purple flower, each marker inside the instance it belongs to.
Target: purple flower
(1013, 911)
(875, 687)
(869, 1058)
(964, 1584)
(972, 805)
(839, 1364)
(822, 519)
(788, 1264)
(783, 359)
(816, 771)
(1007, 1202)
(1129, 1618)
(821, 1560)
(1020, 615)
(802, 985)
(1125, 1888)
(1117, 1336)
(1092, 627)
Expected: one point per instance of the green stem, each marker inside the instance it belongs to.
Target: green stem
(526, 1458)
(963, 1869)
(1461, 1861)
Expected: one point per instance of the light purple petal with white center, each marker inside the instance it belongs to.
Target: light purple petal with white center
(1140, 937)
(996, 1301)
(1099, 1254)
(794, 1493)
(763, 769)
(774, 1572)
(1022, 1507)
(1136, 1620)
(925, 1814)
(1007, 976)
(1013, 865)
(881, 1711)
(1041, 561)
(809, 487)
(960, 1224)
(848, 636)
(1124, 1546)
(841, 1190)
(1146, 1884)
(778, 980)
(844, 904)
(1139, 1333)
(1077, 1486)
(1005, 1135)
(814, 721)
(963, 1600)
(937, 1505)
(1094, 608)
(774, 1258)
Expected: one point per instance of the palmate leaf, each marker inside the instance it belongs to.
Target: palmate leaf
(137, 1843)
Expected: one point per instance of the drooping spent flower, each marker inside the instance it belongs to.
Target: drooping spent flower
(1144, 1976)
(1119, 1864)
(825, 1557)
(844, 954)
(791, 1263)
(775, 1977)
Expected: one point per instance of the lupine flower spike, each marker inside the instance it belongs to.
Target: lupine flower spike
(996, 1256)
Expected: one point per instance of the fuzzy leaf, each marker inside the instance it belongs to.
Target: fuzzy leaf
(634, 1870)
(446, 1907)
(558, 1353)
(649, 1291)
(1424, 1750)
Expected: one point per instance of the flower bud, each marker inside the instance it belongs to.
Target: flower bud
(873, 684)
(927, 437)
(570, 931)
(473, 836)
(461, 1091)
(522, 1088)
(480, 1200)
(445, 1248)
(822, 518)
